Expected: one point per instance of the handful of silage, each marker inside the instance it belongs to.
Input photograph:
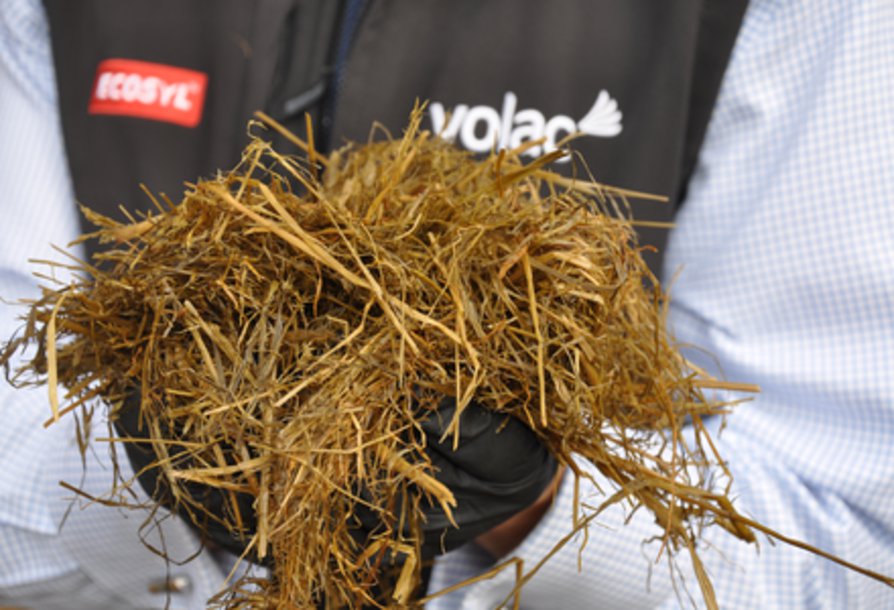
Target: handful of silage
(288, 342)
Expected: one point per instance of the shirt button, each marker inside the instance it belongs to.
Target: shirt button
(174, 584)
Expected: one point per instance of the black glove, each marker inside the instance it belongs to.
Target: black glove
(499, 467)
(216, 503)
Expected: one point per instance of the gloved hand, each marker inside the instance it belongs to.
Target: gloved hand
(498, 468)
(214, 501)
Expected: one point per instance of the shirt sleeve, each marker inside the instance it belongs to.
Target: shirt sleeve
(59, 552)
(38, 211)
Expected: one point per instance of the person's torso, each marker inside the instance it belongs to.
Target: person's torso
(157, 94)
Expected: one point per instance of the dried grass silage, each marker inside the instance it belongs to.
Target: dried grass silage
(291, 320)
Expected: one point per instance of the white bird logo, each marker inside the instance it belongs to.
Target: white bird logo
(603, 119)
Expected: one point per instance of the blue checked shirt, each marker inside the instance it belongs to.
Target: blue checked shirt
(784, 255)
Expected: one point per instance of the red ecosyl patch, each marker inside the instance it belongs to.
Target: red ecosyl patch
(147, 90)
